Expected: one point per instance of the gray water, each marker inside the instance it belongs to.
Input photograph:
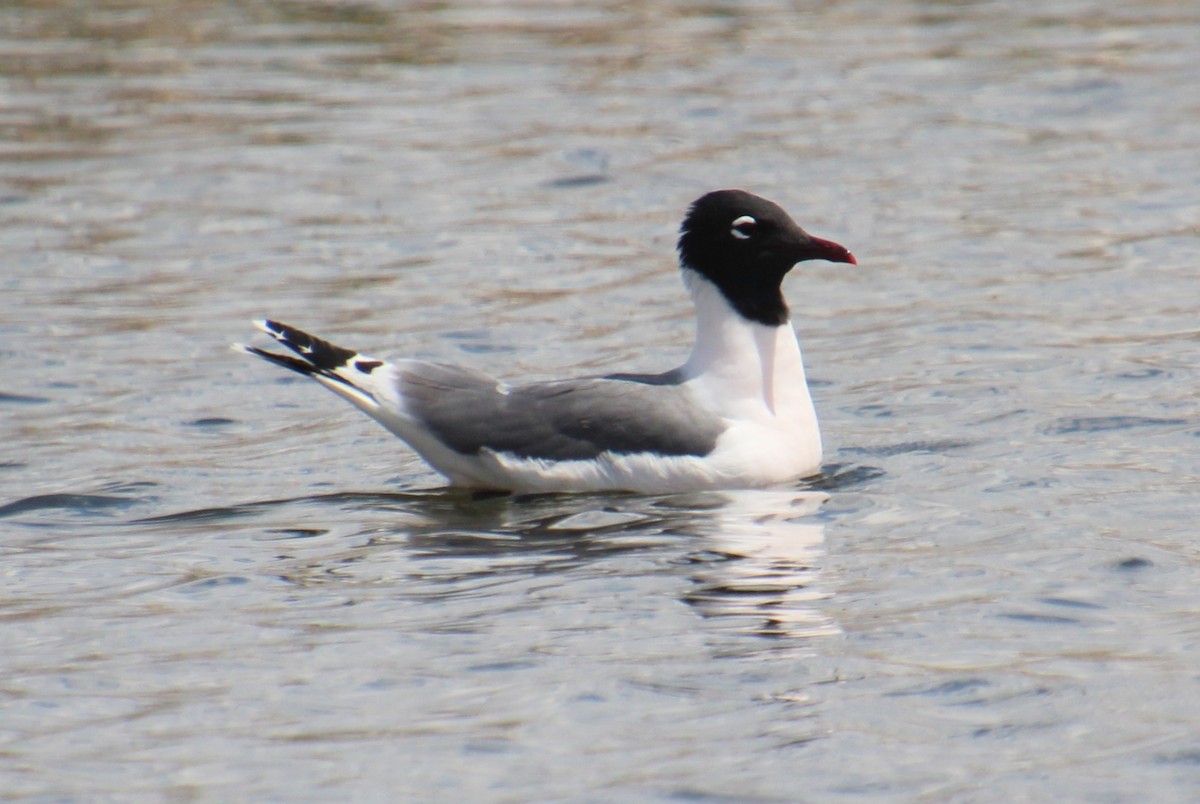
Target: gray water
(221, 583)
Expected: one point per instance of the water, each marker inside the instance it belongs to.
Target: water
(222, 583)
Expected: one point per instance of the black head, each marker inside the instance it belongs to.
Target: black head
(745, 245)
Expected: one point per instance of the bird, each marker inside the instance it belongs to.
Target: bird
(737, 414)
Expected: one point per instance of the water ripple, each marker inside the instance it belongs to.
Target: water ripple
(75, 503)
(1098, 424)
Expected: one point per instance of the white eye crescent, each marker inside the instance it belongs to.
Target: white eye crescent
(743, 227)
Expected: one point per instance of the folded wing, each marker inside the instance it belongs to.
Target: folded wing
(563, 420)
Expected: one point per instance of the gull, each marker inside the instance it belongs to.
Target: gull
(736, 414)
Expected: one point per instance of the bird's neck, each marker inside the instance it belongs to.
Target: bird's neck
(742, 363)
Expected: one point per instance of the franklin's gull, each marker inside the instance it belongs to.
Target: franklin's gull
(737, 414)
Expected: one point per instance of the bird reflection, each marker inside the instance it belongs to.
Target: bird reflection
(749, 561)
(759, 570)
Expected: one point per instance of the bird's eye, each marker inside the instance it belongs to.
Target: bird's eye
(743, 227)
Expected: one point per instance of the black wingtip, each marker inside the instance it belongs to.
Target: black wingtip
(296, 364)
(321, 354)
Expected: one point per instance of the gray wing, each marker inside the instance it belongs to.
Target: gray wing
(563, 420)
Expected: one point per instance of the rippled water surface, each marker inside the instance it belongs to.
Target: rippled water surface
(221, 583)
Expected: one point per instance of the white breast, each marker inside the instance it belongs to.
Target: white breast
(753, 376)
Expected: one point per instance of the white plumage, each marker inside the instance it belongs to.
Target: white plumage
(737, 414)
